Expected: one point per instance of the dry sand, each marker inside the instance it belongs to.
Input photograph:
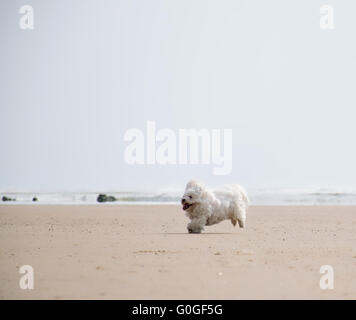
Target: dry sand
(144, 252)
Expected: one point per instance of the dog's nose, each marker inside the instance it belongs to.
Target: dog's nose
(183, 201)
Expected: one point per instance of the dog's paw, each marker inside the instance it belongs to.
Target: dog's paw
(190, 230)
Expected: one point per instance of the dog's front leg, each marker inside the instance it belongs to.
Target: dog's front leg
(197, 225)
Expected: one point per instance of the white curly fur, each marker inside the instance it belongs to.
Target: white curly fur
(205, 207)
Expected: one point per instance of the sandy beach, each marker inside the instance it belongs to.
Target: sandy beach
(144, 252)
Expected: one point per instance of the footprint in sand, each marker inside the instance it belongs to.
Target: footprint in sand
(151, 251)
(244, 252)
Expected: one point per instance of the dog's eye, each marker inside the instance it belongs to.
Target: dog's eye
(190, 197)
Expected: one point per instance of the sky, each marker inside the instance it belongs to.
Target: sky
(91, 70)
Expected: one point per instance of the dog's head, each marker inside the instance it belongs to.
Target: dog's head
(192, 195)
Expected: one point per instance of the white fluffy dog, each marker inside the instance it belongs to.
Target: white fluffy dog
(205, 207)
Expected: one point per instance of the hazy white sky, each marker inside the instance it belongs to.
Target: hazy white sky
(90, 70)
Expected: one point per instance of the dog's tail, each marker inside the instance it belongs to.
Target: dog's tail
(245, 196)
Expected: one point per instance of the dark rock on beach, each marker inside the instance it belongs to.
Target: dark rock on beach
(34, 199)
(105, 198)
(4, 198)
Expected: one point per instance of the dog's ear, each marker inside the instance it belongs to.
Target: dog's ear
(206, 195)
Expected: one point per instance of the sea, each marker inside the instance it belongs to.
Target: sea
(258, 197)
